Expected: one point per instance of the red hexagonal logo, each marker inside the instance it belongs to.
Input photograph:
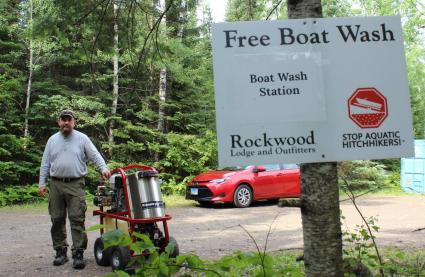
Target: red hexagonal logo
(367, 107)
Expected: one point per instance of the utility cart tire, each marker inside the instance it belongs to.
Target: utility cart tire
(101, 255)
(176, 250)
(120, 257)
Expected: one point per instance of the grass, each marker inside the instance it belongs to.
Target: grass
(403, 262)
(385, 192)
(394, 191)
(36, 207)
(177, 201)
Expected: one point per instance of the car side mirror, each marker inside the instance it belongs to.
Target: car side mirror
(260, 169)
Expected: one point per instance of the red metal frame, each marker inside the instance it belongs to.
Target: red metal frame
(126, 216)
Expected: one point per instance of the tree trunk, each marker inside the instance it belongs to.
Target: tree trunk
(162, 99)
(115, 79)
(30, 68)
(319, 194)
(320, 219)
(162, 91)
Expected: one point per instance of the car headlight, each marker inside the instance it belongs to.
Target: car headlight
(219, 180)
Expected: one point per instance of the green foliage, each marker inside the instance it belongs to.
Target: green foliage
(171, 187)
(258, 264)
(154, 262)
(393, 180)
(14, 195)
(358, 245)
(357, 250)
(361, 175)
(239, 10)
(337, 8)
(17, 159)
(115, 238)
(187, 155)
(396, 262)
(73, 50)
(404, 263)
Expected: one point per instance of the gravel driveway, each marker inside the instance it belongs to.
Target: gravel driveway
(208, 232)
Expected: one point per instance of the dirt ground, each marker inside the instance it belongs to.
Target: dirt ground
(208, 232)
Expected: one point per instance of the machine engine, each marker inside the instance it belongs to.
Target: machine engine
(111, 195)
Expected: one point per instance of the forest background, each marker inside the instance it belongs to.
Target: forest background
(138, 74)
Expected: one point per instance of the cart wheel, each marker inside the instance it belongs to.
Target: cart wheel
(100, 254)
(120, 257)
(176, 251)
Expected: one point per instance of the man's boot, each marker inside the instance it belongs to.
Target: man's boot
(79, 262)
(61, 257)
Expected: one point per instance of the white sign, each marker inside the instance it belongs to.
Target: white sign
(311, 90)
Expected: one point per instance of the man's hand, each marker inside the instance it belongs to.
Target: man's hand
(42, 191)
(106, 174)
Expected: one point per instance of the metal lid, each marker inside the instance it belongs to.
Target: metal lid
(147, 174)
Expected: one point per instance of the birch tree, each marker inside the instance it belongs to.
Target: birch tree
(30, 69)
(162, 91)
(115, 86)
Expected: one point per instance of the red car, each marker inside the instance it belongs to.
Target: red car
(243, 186)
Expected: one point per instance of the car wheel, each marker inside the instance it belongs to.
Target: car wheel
(120, 257)
(242, 197)
(100, 254)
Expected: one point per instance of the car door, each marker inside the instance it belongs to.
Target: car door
(266, 181)
(287, 180)
(263, 181)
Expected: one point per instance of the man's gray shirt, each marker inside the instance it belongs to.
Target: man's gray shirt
(67, 156)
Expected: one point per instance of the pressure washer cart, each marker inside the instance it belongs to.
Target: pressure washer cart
(134, 201)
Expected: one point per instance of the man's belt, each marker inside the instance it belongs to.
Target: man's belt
(66, 179)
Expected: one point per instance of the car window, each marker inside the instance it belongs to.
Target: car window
(233, 168)
(290, 166)
(271, 167)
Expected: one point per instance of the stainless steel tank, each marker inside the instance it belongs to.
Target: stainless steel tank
(145, 194)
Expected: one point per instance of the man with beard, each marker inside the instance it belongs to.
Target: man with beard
(64, 161)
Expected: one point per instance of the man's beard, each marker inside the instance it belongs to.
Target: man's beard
(66, 131)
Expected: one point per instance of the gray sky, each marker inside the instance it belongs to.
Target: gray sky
(218, 8)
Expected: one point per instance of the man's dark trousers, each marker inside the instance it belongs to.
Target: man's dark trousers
(68, 198)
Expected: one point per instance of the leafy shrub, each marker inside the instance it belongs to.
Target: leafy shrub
(187, 155)
(358, 250)
(358, 245)
(17, 159)
(402, 263)
(159, 263)
(173, 188)
(362, 174)
(15, 195)
(393, 180)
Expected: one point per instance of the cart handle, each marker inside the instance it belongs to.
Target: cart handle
(132, 166)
